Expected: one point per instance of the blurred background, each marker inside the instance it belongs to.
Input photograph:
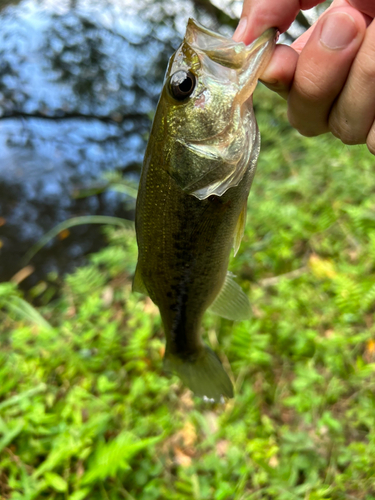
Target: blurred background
(79, 82)
(86, 411)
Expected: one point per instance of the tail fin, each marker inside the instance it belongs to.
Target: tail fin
(203, 373)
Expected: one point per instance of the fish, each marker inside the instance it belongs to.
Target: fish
(191, 205)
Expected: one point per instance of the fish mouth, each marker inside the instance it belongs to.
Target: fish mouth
(270, 35)
(202, 38)
(226, 51)
(221, 160)
(247, 61)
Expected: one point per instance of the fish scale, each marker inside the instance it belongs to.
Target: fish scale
(192, 197)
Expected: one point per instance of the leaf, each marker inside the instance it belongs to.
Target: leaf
(85, 279)
(322, 268)
(115, 456)
(26, 311)
(14, 400)
(66, 446)
(181, 457)
(80, 494)
(56, 481)
(7, 290)
(11, 434)
(188, 434)
(76, 221)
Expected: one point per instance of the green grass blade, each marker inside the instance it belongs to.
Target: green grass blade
(124, 188)
(15, 400)
(76, 221)
(26, 311)
(10, 435)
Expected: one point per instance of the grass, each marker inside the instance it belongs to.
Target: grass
(86, 412)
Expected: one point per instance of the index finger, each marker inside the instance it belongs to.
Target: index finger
(365, 6)
(259, 15)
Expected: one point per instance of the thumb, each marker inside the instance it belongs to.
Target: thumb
(259, 15)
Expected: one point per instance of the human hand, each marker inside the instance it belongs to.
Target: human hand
(328, 74)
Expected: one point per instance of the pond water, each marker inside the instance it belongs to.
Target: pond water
(78, 84)
(79, 81)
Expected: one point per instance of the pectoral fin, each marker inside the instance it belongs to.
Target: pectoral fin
(231, 303)
(138, 285)
(240, 228)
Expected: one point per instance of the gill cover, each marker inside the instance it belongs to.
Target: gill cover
(214, 135)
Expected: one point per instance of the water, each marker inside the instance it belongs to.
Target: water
(79, 82)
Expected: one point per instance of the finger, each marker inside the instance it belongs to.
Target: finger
(322, 69)
(365, 6)
(371, 139)
(257, 16)
(278, 75)
(301, 41)
(354, 112)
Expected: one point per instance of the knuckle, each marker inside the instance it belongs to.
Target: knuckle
(307, 127)
(366, 67)
(310, 88)
(340, 127)
(344, 136)
(307, 111)
(296, 122)
(306, 132)
(371, 144)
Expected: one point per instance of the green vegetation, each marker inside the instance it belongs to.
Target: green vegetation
(86, 412)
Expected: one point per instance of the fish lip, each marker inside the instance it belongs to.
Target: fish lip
(194, 28)
(267, 36)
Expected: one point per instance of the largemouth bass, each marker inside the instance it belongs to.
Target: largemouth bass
(191, 207)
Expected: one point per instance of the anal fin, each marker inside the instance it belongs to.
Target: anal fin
(232, 302)
(240, 228)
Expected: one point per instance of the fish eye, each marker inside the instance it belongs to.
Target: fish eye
(182, 84)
